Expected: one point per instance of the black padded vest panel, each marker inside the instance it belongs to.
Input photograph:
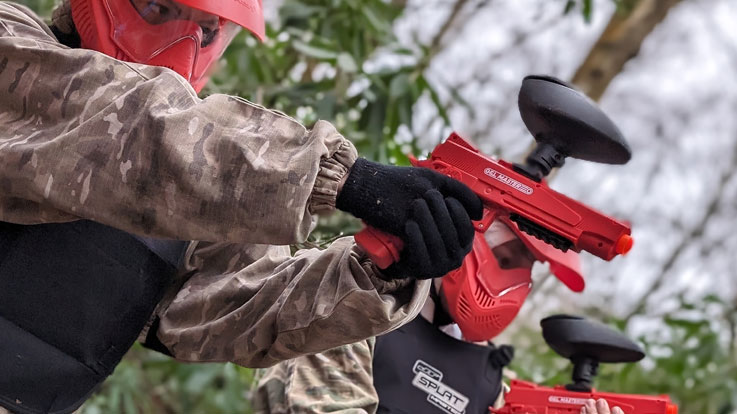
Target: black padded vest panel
(73, 299)
(419, 369)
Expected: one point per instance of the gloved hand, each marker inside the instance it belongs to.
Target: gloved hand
(429, 211)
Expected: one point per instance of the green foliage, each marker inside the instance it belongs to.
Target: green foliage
(324, 62)
(42, 7)
(149, 382)
(691, 357)
(587, 7)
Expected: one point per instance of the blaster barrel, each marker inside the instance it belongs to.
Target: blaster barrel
(551, 216)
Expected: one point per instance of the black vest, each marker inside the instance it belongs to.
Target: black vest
(73, 299)
(420, 370)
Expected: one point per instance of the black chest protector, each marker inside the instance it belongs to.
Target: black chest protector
(73, 299)
(420, 370)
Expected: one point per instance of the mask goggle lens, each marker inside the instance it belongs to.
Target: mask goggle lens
(171, 34)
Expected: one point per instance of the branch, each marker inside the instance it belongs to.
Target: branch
(436, 43)
(482, 76)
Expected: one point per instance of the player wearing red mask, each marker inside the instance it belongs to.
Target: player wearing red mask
(440, 362)
(187, 36)
(130, 207)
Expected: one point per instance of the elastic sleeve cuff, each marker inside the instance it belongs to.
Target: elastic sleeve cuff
(382, 283)
(332, 169)
(385, 285)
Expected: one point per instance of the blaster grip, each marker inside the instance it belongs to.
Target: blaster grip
(382, 248)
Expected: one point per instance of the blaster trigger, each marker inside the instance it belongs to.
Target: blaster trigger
(486, 220)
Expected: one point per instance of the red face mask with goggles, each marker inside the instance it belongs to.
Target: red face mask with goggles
(187, 36)
(485, 294)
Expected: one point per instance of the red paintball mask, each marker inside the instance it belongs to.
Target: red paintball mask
(486, 293)
(187, 36)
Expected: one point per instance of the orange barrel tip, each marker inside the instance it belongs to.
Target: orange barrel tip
(624, 244)
(671, 409)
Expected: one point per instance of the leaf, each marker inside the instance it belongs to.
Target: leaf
(297, 10)
(438, 104)
(314, 51)
(399, 86)
(459, 99)
(374, 20)
(373, 124)
(587, 7)
(129, 405)
(358, 47)
(713, 299)
(392, 121)
(570, 4)
(403, 51)
(325, 108)
(347, 63)
(369, 94)
(405, 107)
(690, 326)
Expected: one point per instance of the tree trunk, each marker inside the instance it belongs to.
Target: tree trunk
(620, 42)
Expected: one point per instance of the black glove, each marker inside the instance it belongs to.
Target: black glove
(429, 211)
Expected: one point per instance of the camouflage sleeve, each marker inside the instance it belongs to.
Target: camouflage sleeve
(132, 146)
(257, 305)
(339, 380)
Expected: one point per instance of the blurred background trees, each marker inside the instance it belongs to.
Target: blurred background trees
(396, 76)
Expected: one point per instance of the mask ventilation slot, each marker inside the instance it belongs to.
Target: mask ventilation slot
(464, 308)
(495, 320)
(483, 299)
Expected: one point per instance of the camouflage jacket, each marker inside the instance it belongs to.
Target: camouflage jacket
(83, 135)
(336, 381)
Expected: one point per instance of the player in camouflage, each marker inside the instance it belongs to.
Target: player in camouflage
(130, 145)
(347, 380)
